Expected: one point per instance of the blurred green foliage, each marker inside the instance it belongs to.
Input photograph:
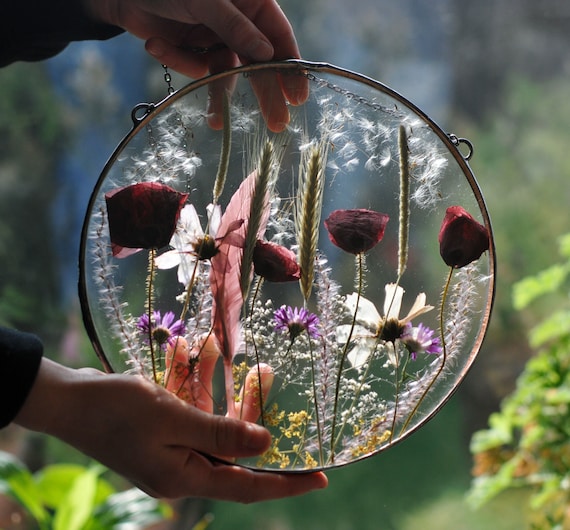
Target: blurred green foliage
(527, 444)
(522, 165)
(32, 134)
(73, 497)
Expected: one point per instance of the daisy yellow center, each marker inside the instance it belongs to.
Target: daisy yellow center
(160, 334)
(205, 248)
(391, 330)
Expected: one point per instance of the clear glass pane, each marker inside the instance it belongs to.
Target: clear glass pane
(303, 245)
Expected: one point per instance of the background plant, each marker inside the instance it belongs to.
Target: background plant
(75, 497)
(527, 444)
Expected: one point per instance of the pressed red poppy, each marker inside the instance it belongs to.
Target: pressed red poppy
(356, 230)
(143, 215)
(461, 238)
(275, 263)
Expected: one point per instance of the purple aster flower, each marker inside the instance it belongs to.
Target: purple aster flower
(162, 329)
(420, 340)
(295, 320)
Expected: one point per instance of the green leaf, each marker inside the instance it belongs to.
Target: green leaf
(564, 245)
(498, 434)
(554, 327)
(484, 488)
(551, 488)
(77, 507)
(55, 482)
(18, 482)
(9, 466)
(546, 281)
(131, 508)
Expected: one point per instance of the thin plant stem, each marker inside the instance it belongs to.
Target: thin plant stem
(189, 291)
(356, 395)
(149, 303)
(225, 151)
(404, 214)
(359, 281)
(302, 440)
(317, 415)
(192, 365)
(397, 395)
(256, 353)
(443, 349)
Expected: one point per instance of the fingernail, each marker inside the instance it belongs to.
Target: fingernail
(155, 48)
(261, 50)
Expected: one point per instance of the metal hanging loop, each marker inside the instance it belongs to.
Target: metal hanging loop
(456, 141)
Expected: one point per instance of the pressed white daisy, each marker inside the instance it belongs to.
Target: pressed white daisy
(190, 243)
(371, 327)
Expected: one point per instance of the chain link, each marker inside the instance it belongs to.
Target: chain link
(168, 79)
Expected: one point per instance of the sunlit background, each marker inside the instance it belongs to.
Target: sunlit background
(496, 72)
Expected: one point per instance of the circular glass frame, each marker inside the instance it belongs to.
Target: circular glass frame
(294, 244)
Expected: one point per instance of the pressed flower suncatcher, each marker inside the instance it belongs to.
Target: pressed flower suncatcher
(328, 274)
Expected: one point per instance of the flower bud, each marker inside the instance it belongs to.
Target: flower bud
(275, 263)
(357, 230)
(143, 215)
(461, 238)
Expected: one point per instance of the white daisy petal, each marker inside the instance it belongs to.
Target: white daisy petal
(393, 301)
(186, 269)
(168, 260)
(419, 308)
(189, 225)
(359, 355)
(214, 218)
(358, 332)
(366, 312)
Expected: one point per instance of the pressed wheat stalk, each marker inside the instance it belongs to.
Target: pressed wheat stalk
(308, 216)
(257, 212)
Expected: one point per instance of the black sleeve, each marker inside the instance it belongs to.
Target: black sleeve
(31, 30)
(20, 356)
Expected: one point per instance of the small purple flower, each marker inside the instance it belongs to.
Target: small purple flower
(162, 329)
(295, 320)
(420, 340)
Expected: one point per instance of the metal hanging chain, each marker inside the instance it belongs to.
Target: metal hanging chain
(168, 79)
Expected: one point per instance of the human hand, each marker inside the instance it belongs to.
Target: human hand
(153, 438)
(195, 37)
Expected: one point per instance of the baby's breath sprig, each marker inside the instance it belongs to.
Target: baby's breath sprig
(308, 213)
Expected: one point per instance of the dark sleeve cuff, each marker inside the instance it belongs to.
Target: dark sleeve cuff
(20, 357)
(33, 30)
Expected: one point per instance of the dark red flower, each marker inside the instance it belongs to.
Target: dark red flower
(142, 215)
(357, 230)
(275, 263)
(461, 238)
